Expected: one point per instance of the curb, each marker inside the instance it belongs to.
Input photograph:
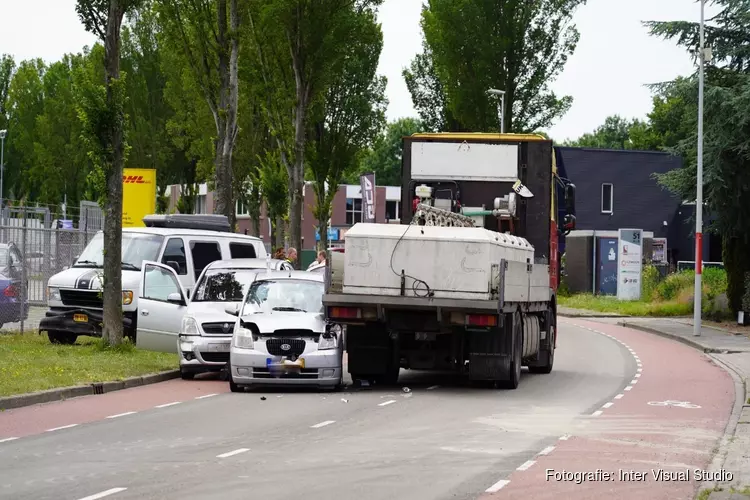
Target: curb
(97, 388)
(584, 316)
(678, 338)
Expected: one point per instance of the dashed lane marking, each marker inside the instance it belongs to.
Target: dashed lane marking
(564, 437)
(547, 450)
(322, 424)
(61, 428)
(497, 486)
(386, 403)
(5, 440)
(103, 494)
(207, 396)
(607, 405)
(619, 396)
(629, 388)
(165, 405)
(122, 414)
(526, 465)
(596, 413)
(233, 453)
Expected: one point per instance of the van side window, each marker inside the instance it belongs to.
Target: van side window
(203, 254)
(242, 251)
(175, 252)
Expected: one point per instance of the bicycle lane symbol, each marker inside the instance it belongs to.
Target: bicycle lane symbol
(677, 404)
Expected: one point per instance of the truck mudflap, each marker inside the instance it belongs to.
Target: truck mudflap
(77, 321)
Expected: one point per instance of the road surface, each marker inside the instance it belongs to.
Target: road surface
(195, 440)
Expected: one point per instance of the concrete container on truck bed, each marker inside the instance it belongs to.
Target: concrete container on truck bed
(468, 281)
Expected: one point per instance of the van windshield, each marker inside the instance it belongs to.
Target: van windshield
(136, 247)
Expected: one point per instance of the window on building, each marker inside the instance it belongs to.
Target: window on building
(200, 204)
(608, 198)
(353, 210)
(242, 208)
(392, 210)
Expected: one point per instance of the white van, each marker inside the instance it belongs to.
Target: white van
(186, 243)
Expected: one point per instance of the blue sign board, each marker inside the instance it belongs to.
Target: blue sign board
(607, 266)
(333, 234)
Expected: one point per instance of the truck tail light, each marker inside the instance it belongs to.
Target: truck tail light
(345, 312)
(481, 320)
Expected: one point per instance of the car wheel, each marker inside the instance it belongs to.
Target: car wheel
(232, 386)
(62, 338)
(186, 375)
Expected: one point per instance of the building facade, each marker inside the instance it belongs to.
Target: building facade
(346, 210)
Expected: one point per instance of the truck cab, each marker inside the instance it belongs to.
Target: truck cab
(185, 243)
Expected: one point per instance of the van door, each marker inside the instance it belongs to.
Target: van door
(161, 306)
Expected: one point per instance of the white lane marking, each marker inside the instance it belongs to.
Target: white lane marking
(607, 405)
(121, 414)
(233, 453)
(322, 424)
(547, 450)
(640, 369)
(206, 396)
(564, 437)
(526, 465)
(634, 381)
(637, 375)
(432, 387)
(596, 413)
(61, 428)
(386, 403)
(168, 404)
(104, 494)
(8, 439)
(497, 486)
(628, 387)
(619, 396)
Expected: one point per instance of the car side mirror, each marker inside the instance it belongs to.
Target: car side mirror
(176, 298)
(174, 265)
(233, 309)
(570, 199)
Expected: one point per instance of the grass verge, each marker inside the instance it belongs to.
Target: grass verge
(627, 308)
(30, 363)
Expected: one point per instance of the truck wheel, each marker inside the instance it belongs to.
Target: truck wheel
(515, 364)
(62, 338)
(547, 356)
(390, 377)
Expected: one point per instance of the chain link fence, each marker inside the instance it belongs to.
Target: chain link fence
(35, 244)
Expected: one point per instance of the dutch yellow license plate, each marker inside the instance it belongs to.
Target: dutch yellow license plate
(80, 318)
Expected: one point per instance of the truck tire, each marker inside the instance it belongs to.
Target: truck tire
(547, 355)
(390, 377)
(62, 338)
(514, 377)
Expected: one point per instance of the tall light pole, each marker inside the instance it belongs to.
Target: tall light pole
(501, 93)
(3, 133)
(698, 293)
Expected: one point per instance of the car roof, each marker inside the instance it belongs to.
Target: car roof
(257, 263)
(167, 231)
(294, 275)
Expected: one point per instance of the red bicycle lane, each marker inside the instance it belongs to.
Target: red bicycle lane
(59, 415)
(654, 440)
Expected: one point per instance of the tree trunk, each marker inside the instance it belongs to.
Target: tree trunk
(112, 327)
(278, 230)
(323, 231)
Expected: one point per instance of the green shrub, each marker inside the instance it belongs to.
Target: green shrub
(714, 282)
(746, 295)
(649, 282)
(672, 285)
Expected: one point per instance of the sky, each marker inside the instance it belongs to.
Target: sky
(607, 74)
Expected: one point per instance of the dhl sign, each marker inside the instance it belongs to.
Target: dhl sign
(134, 179)
(138, 195)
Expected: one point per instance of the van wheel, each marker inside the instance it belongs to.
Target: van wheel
(62, 338)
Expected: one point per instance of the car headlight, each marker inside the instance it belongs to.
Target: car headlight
(53, 293)
(127, 297)
(243, 338)
(328, 341)
(189, 326)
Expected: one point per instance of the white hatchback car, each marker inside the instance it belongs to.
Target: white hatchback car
(281, 336)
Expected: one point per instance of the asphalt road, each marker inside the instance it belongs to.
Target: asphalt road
(194, 440)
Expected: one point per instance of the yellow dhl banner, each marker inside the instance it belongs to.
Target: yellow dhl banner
(138, 195)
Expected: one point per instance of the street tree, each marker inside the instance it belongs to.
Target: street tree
(298, 42)
(207, 33)
(348, 117)
(7, 67)
(617, 133)
(517, 46)
(103, 115)
(727, 129)
(385, 156)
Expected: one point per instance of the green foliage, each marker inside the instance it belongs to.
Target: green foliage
(746, 294)
(619, 133)
(385, 156)
(649, 282)
(612, 305)
(7, 67)
(518, 46)
(672, 285)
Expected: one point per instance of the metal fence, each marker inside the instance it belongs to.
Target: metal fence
(34, 246)
(687, 265)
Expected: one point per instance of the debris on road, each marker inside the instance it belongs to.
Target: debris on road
(262, 398)
(344, 400)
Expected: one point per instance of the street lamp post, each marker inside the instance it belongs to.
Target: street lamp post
(501, 93)
(3, 133)
(698, 293)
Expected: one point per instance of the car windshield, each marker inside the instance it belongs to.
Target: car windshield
(286, 295)
(136, 247)
(223, 285)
